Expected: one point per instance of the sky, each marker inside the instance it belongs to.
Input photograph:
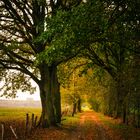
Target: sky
(25, 95)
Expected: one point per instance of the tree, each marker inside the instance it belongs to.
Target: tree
(114, 53)
(109, 34)
(22, 47)
(72, 84)
(36, 37)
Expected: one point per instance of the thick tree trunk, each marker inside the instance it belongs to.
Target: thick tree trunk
(50, 96)
(47, 116)
(55, 89)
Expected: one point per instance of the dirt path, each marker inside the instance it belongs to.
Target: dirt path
(89, 127)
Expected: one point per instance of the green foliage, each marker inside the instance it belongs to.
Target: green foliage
(105, 32)
(15, 62)
(107, 35)
(12, 81)
(72, 120)
(74, 66)
(68, 32)
(94, 104)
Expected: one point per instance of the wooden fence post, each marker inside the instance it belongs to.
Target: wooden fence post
(2, 126)
(13, 132)
(27, 124)
(32, 125)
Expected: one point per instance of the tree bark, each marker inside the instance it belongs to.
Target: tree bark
(119, 100)
(79, 104)
(138, 114)
(117, 105)
(47, 116)
(55, 89)
(124, 113)
(50, 96)
(74, 108)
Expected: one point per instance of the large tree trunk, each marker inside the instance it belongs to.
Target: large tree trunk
(50, 96)
(55, 89)
(47, 116)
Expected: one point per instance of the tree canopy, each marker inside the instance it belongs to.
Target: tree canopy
(38, 35)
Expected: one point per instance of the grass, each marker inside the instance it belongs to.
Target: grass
(16, 117)
(69, 120)
(17, 113)
(127, 132)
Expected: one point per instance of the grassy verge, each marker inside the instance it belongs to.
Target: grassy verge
(16, 117)
(127, 132)
(71, 121)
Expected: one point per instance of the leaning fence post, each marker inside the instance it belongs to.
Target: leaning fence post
(27, 124)
(13, 132)
(2, 126)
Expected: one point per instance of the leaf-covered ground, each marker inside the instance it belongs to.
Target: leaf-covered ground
(88, 126)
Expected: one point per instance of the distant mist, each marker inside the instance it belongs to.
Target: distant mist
(20, 103)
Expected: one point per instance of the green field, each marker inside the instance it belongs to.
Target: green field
(16, 117)
(17, 113)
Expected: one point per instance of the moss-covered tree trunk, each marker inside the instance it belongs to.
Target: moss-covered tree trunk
(55, 90)
(47, 116)
(50, 96)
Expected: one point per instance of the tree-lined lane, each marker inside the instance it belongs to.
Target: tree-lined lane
(89, 127)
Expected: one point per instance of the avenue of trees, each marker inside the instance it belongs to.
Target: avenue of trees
(21, 25)
(38, 38)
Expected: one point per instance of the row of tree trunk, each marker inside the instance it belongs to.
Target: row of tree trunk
(126, 101)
